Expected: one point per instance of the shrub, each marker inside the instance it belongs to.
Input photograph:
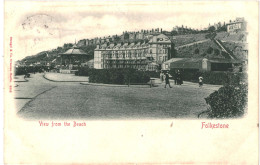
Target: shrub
(197, 51)
(22, 70)
(82, 71)
(229, 101)
(216, 52)
(119, 76)
(224, 78)
(215, 78)
(209, 50)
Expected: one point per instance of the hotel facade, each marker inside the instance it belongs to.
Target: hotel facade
(138, 55)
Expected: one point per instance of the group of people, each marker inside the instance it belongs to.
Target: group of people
(177, 79)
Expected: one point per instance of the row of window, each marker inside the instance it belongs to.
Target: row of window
(124, 56)
(137, 47)
(127, 66)
(125, 62)
(151, 51)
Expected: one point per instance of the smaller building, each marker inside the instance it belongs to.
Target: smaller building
(72, 57)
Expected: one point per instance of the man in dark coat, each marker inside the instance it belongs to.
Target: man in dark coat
(179, 78)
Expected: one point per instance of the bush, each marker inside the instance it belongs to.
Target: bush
(216, 52)
(119, 76)
(22, 70)
(197, 51)
(229, 101)
(210, 50)
(224, 78)
(82, 71)
(215, 78)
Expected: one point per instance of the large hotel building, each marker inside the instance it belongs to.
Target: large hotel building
(138, 55)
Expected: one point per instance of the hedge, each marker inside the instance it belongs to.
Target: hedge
(215, 78)
(229, 101)
(119, 76)
(82, 71)
(22, 70)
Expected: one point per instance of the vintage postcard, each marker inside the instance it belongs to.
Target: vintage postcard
(161, 82)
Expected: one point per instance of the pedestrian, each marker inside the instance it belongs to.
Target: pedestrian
(167, 80)
(179, 78)
(175, 78)
(200, 81)
(162, 76)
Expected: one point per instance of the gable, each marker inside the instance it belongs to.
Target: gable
(161, 38)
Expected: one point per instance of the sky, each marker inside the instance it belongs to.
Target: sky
(40, 26)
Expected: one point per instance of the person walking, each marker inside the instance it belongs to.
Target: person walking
(162, 76)
(179, 78)
(175, 78)
(167, 80)
(200, 81)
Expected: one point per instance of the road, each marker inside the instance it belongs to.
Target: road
(42, 99)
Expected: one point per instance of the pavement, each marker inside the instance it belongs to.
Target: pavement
(40, 98)
(62, 77)
(20, 78)
(83, 80)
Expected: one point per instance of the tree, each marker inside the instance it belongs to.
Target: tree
(216, 52)
(174, 33)
(173, 51)
(209, 50)
(197, 51)
(212, 29)
(117, 39)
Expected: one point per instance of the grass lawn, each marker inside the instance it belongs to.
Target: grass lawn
(99, 102)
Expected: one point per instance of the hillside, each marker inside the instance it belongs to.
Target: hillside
(187, 46)
(45, 57)
(235, 44)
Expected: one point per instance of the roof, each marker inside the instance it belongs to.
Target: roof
(173, 60)
(188, 60)
(111, 46)
(137, 45)
(221, 60)
(197, 60)
(160, 39)
(131, 45)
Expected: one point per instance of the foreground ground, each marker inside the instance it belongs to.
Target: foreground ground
(39, 98)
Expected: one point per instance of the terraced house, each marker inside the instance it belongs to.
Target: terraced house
(138, 55)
